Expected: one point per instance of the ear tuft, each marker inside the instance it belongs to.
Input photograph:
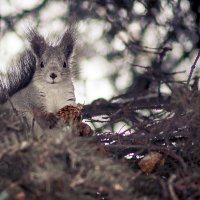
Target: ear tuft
(37, 42)
(67, 43)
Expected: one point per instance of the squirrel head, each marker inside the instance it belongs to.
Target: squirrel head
(53, 61)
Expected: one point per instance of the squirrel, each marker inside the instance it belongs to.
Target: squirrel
(41, 81)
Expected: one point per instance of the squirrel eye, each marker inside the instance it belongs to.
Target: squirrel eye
(64, 65)
(41, 64)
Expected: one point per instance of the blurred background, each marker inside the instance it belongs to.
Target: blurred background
(123, 45)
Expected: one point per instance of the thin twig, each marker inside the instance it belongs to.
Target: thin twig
(193, 67)
(171, 188)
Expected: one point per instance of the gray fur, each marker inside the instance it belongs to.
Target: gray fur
(42, 76)
(18, 76)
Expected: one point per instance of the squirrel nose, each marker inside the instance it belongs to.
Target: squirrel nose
(53, 75)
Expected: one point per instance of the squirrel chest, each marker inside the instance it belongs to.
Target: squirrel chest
(55, 96)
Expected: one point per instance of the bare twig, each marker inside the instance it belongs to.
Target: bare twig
(193, 67)
(171, 188)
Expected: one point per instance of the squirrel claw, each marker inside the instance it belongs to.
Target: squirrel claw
(51, 120)
(45, 120)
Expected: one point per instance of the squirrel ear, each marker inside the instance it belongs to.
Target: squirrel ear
(68, 40)
(37, 42)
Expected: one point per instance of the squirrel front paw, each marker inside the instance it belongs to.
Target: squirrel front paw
(44, 119)
(51, 120)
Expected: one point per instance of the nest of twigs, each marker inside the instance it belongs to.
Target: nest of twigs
(156, 157)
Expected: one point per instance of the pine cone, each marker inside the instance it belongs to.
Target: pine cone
(85, 129)
(73, 114)
(150, 161)
(70, 113)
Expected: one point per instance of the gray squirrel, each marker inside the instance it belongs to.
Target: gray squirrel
(40, 82)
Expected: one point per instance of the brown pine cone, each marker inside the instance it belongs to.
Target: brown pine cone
(85, 129)
(73, 114)
(150, 161)
(70, 113)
